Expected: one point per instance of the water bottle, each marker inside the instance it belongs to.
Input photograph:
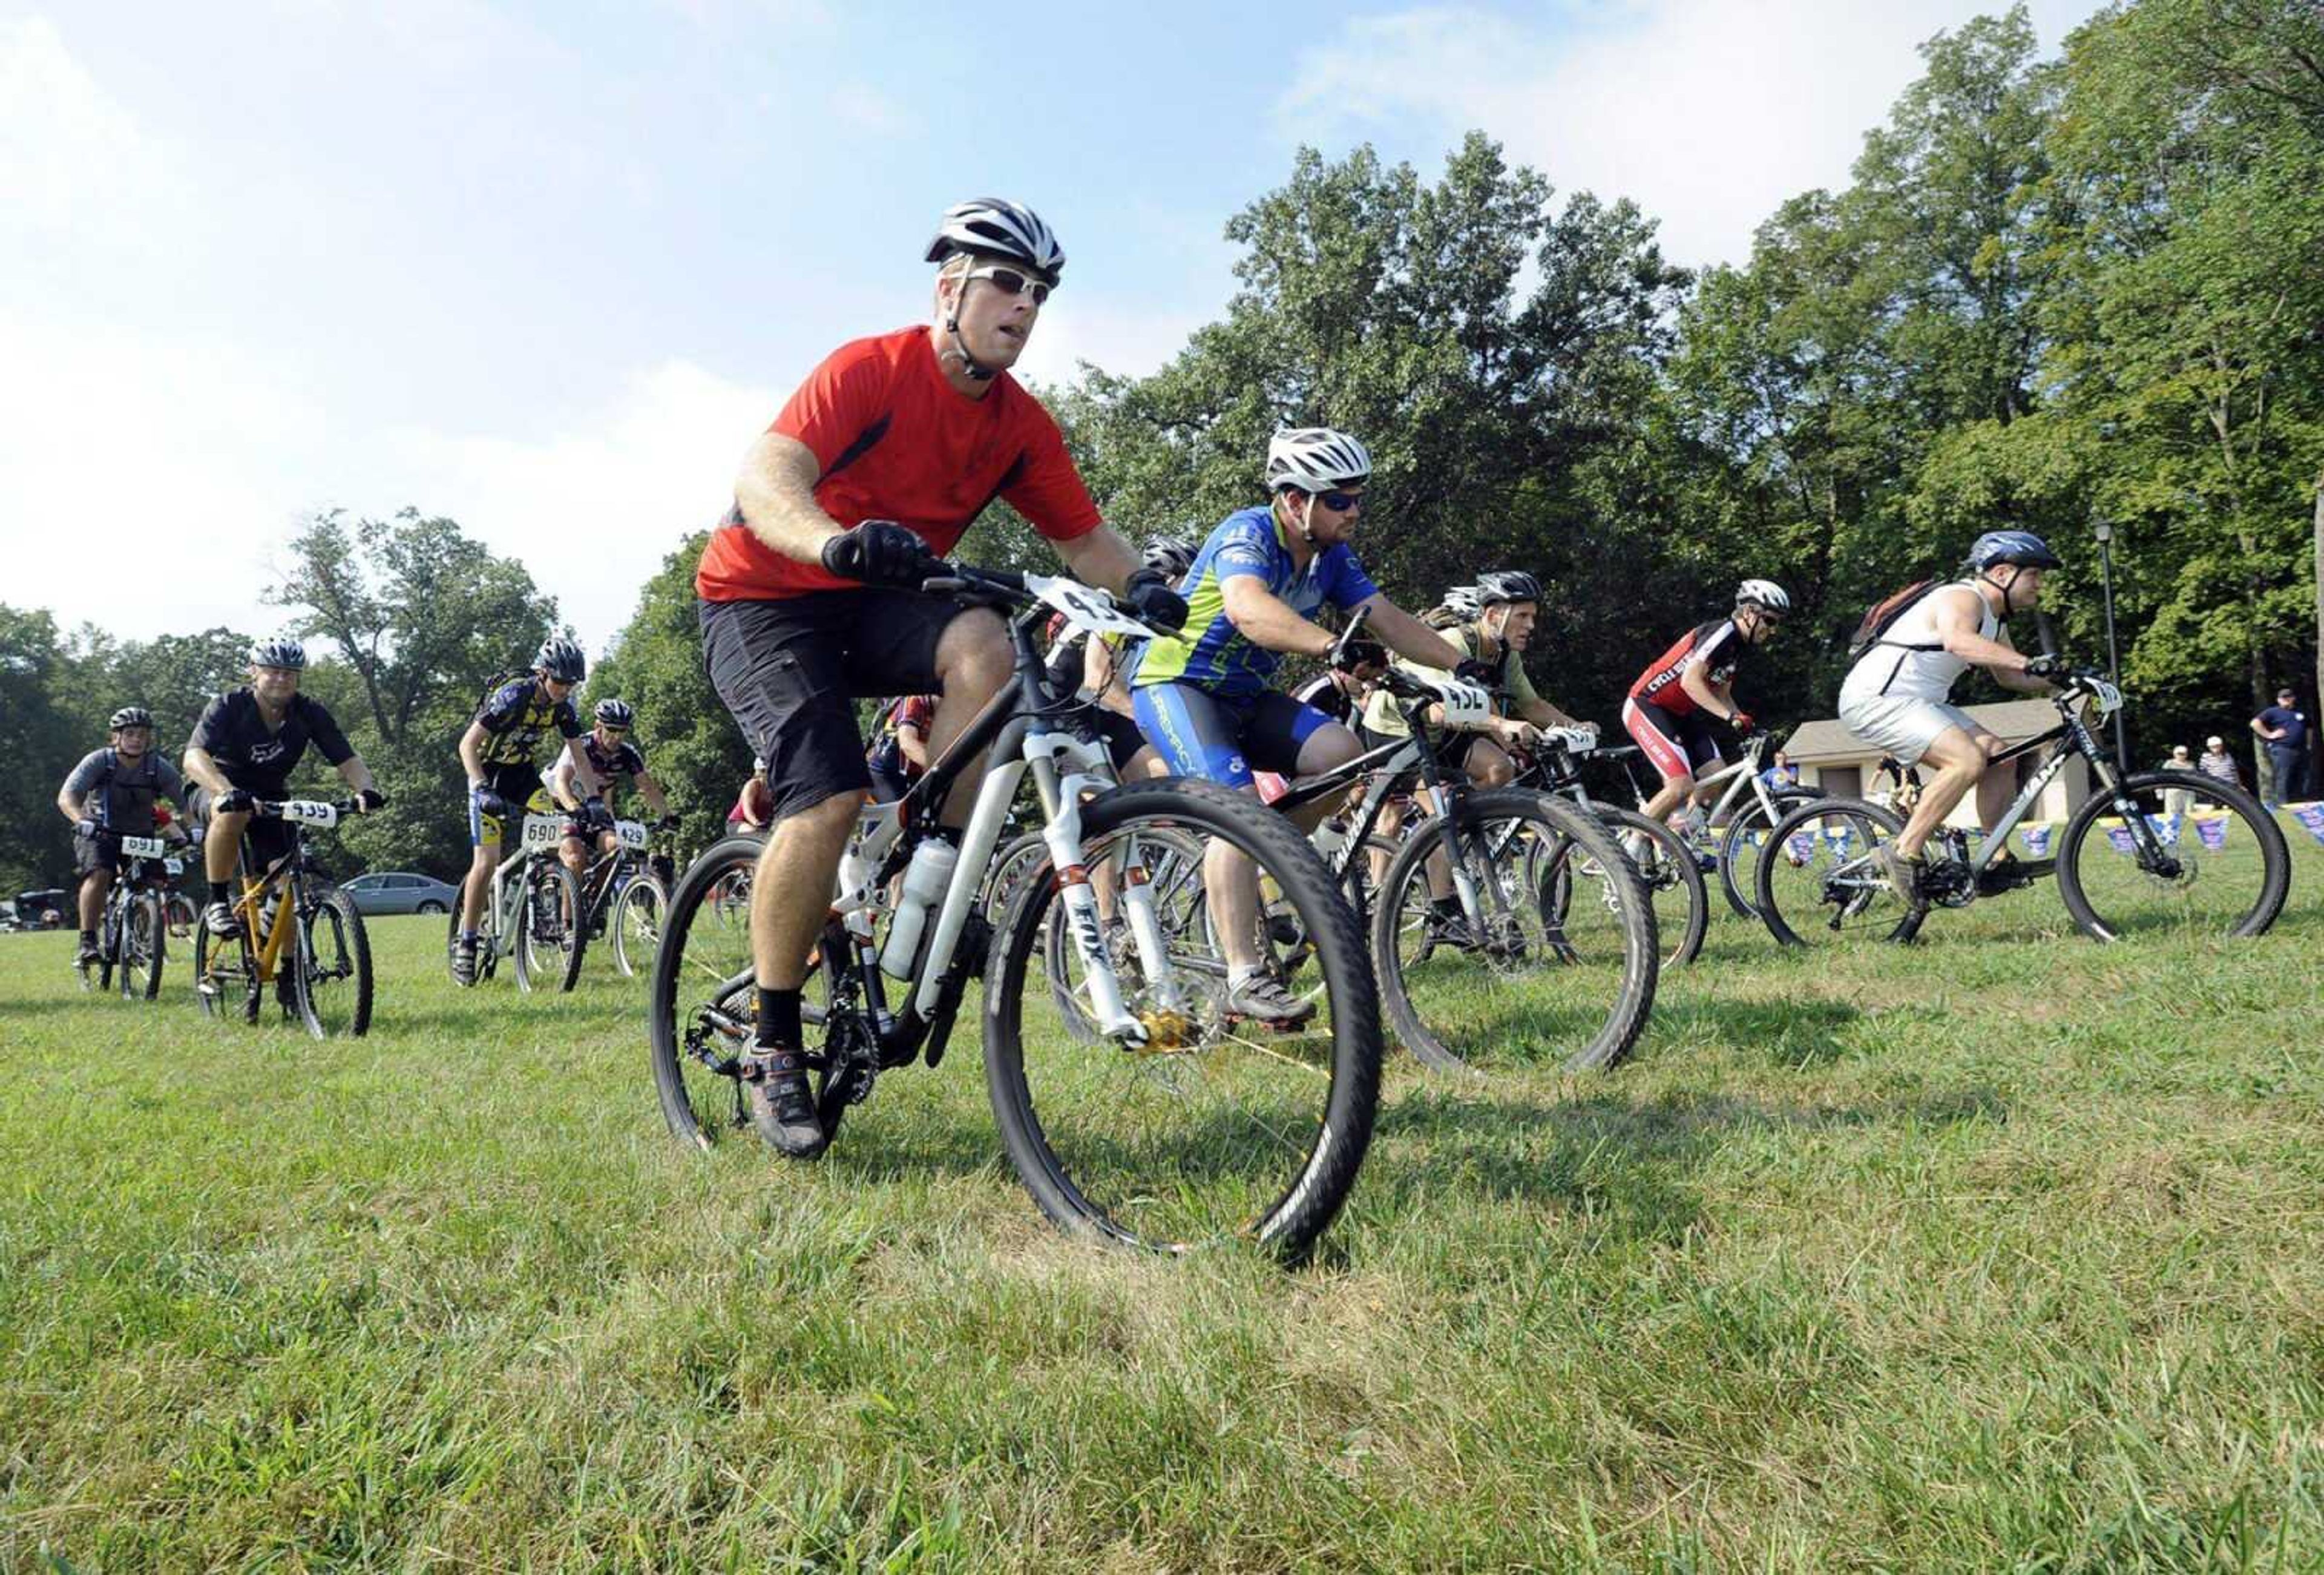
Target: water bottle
(925, 879)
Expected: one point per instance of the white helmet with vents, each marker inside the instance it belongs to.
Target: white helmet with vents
(993, 227)
(1315, 459)
(1764, 594)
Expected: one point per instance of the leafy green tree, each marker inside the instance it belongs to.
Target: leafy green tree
(419, 617)
(691, 743)
(43, 735)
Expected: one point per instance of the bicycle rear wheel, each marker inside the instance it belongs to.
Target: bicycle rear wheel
(1673, 881)
(2222, 870)
(636, 923)
(331, 979)
(1819, 883)
(702, 1003)
(225, 974)
(550, 936)
(1556, 968)
(1209, 1126)
(143, 934)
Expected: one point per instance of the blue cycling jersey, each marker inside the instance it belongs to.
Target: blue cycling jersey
(1211, 653)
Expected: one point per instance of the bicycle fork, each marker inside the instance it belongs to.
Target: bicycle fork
(1061, 801)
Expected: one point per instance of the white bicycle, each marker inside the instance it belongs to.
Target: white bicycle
(1135, 1107)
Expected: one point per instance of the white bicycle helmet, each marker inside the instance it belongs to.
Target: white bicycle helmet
(1764, 594)
(993, 227)
(1315, 459)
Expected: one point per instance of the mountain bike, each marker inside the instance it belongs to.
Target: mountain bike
(1182, 1123)
(1507, 927)
(531, 912)
(295, 930)
(1748, 809)
(133, 933)
(2124, 866)
(622, 893)
(1663, 859)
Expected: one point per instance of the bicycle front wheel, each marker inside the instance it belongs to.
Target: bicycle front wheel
(2219, 870)
(1819, 883)
(637, 923)
(1205, 1124)
(548, 942)
(1673, 879)
(332, 981)
(143, 934)
(1555, 965)
(1745, 844)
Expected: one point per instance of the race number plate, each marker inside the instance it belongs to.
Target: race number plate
(308, 812)
(174, 866)
(632, 832)
(1085, 607)
(143, 847)
(542, 831)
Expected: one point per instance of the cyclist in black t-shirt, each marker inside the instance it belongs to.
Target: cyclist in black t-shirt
(109, 796)
(500, 751)
(245, 746)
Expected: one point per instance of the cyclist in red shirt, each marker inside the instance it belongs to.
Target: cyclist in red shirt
(1684, 705)
(879, 462)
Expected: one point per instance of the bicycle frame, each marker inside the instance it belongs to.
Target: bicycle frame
(1023, 729)
(505, 902)
(1746, 772)
(268, 940)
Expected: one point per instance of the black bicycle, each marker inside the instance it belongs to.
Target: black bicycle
(1180, 1122)
(1665, 861)
(1506, 926)
(132, 937)
(625, 895)
(2128, 862)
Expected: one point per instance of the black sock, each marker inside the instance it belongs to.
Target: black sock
(217, 892)
(779, 1018)
(89, 936)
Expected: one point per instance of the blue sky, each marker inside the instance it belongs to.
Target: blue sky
(547, 269)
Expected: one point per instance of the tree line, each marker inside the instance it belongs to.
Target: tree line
(2056, 291)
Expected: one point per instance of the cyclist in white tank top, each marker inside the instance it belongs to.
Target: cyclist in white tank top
(1897, 696)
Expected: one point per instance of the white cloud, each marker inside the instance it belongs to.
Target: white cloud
(1124, 339)
(75, 166)
(1710, 113)
(594, 510)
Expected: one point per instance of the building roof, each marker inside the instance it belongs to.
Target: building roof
(1828, 743)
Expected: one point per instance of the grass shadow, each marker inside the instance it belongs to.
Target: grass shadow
(1792, 1031)
(1629, 1163)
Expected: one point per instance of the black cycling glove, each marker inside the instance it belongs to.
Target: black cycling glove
(880, 552)
(1151, 596)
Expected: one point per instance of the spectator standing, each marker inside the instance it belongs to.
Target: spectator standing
(2178, 800)
(2217, 764)
(1783, 774)
(2283, 728)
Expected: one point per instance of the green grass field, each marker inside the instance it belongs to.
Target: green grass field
(2000, 1251)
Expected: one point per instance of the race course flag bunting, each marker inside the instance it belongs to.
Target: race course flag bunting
(2213, 830)
(2119, 835)
(2037, 839)
(2310, 815)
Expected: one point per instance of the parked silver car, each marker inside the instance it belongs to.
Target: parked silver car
(396, 892)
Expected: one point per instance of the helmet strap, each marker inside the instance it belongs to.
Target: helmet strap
(969, 364)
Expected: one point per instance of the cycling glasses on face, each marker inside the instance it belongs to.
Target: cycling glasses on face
(1341, 502)
(1009, 282)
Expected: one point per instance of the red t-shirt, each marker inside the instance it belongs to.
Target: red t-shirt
(896, 441)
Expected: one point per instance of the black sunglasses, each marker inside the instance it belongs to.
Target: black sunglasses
(1008, 282)
(1341, 502)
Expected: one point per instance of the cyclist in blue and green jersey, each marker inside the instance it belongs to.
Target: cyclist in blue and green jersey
(1205, 699)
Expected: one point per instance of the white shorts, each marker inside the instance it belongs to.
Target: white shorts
(1902, 726)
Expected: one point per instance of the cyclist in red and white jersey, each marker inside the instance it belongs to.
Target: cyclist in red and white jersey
(1681, 710)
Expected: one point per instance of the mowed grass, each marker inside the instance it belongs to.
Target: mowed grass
(2002, 1251)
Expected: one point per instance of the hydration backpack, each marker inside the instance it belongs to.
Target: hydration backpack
(1881, 616)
